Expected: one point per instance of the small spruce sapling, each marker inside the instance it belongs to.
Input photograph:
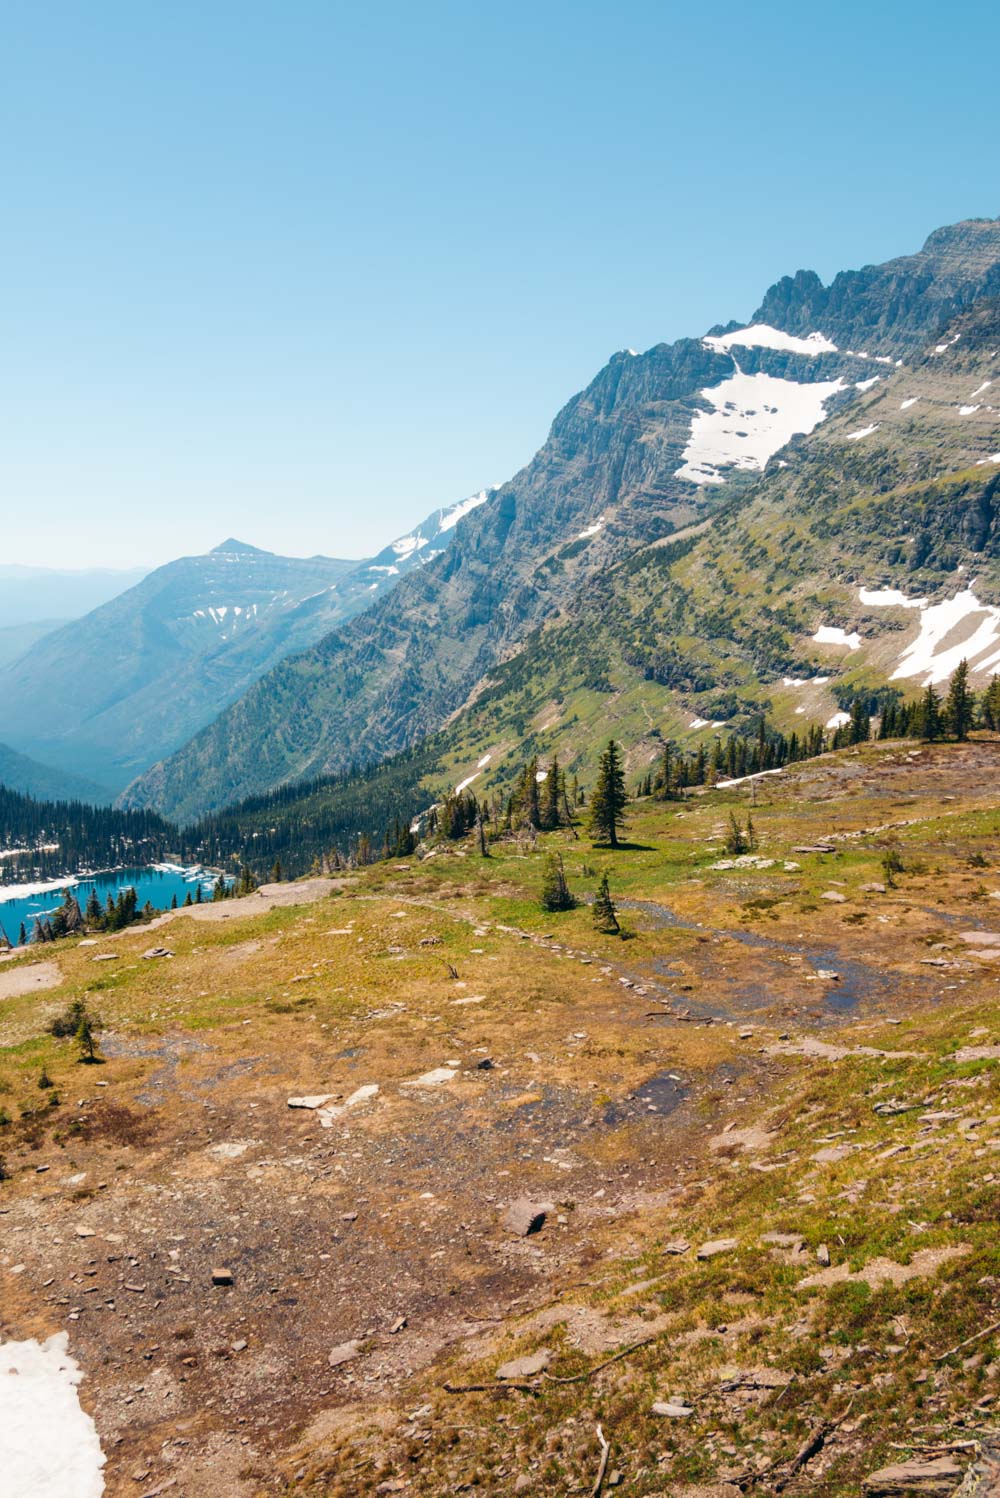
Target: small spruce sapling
(605, 915)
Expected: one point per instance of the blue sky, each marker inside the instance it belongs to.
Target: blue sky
(304, 271)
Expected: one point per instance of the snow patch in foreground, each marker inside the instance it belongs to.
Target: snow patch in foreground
(832, 634)
(753, 417)
(761, 335)
(49, 1446)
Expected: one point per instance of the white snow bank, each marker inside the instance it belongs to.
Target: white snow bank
(993, 458)
(867, 384)
(464, 784)
(481, 764)
(883, 598)
(830, 634)
(863, 432)
(698, 723)
(763, 336)
(49, 1446)
(979, 389)
(910, 401)
(464, 507)
(753, 417)
(591, 529)
(838, 720)
(968, 410)
(721, 785)
(924, 655)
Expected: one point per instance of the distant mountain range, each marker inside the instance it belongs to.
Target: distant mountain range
(611, 559)
(32, 595)
(107, 695)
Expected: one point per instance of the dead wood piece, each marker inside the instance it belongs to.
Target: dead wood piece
(595, 1491)
(579, 1378)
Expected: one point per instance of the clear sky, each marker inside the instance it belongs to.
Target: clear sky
(303, 271)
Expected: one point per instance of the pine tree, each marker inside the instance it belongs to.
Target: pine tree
(550, 810)
(188, 900)
(85, 1038)
(605, 915)
(959, 711)
(860, 725)
(929, 716)
(990, 705)
(555, 891)
(607, 801)
(277, 873)
(94, 913)
(22, 936)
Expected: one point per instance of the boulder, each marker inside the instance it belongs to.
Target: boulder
(524, 1217)
(672, 1411)
(938, 1476)
(717, 1246)
(344, 1352)
(526, 1367)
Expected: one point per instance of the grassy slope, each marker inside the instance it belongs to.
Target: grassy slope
(255, 1007)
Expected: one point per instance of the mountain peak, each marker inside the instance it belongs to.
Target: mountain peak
(238, 548)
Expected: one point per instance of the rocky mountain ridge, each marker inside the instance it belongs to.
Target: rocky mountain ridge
(656, 443)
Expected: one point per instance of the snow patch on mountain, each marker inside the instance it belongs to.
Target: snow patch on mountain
(863, 432)
(910, 401)
(753, 417)
(832, 634)
(882, 598)
(455, 513)
(591, 529)
(761, 335)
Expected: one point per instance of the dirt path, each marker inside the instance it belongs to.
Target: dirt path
(24, 980)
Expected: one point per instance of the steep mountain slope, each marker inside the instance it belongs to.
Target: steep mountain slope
(19, 773)
(17, 639)
(871, 561)
(655, 443)
(113, 692)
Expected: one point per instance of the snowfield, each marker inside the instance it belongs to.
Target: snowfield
(928, 656)
(831, 634)
(763, 336)
(753, 417)
(49, 1446)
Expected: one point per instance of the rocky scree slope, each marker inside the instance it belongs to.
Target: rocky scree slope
(113, 692)
(656, 442)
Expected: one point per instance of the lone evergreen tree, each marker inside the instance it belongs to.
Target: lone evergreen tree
(277, 874)
(929, 716)
(960, 707)
(555, 891)
(990, 705)
(608, 798)
(551, 799)
(605, 915)
(85, 1038)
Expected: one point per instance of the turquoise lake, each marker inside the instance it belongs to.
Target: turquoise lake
(158, 885)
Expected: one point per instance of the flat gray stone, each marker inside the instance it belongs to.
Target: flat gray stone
(526, 1367)
(344, 1352)
(524, 1217)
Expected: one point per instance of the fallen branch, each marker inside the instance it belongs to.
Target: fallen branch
(579, 1378)
(595, 1491)
(805, 1454)
(976, 1337)
(500, 1387)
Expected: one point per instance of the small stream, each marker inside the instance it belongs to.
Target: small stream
(858, 980)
